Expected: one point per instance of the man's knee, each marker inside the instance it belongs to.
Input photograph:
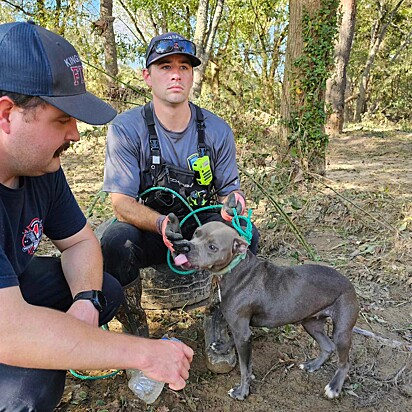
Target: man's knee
(113, 291)
(120, 254)
(117, 236)
(30, 390)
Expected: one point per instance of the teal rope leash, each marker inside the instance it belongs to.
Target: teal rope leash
(94, 378)
(166, 189)
(245, 233)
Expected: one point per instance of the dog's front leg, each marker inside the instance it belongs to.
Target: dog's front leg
(242, 336)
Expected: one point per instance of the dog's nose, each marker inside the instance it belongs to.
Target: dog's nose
(181, 246)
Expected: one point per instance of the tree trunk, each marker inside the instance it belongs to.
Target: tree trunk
(336, 84)
(204, 38)
(381, 26)
(105, 25)
(312, 26)
(293, 51)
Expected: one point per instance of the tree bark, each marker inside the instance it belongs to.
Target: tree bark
(204, 38)
(336, 84)
(302, 134)
(105, 25)
(294, 49)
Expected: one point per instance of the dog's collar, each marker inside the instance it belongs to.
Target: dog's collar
(231, 265)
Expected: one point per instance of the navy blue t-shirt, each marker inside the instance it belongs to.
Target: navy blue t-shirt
(43, 204)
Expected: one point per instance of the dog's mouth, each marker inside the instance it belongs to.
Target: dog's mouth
(181, 260)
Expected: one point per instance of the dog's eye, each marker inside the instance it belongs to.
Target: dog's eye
(213, 248)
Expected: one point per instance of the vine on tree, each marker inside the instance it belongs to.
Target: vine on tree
(308, 139)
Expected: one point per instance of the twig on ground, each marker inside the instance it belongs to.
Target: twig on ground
(275, 366)
(388, 342)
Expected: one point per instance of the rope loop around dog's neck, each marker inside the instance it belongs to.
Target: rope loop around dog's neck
(231, 265)
(245, 233)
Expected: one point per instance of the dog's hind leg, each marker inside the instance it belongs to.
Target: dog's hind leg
(342, 336)
(316, 328)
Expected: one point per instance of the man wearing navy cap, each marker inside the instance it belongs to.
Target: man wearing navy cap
(174, 144)
(50, 308)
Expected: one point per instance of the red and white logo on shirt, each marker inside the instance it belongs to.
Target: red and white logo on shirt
(32, 236)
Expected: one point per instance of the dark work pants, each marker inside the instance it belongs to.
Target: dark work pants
(127, 249)
(43, 284)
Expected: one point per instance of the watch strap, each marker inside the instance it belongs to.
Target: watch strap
(95, 296)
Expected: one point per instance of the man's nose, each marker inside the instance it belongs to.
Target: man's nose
(176, 73)
(72, 131)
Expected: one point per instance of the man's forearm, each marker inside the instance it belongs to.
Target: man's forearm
(82, 261)
(127, 209)
(37, 337)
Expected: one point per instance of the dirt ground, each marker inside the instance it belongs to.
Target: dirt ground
(359, 220)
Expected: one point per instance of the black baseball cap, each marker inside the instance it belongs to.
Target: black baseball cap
(177, 45)
(37, 62)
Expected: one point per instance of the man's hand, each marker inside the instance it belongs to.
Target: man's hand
(170, 362)
(233, 201)
(172, 236)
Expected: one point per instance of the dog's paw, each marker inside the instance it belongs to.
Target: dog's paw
(220, 348)
(310, 366)
(330, 392)
(237, 393)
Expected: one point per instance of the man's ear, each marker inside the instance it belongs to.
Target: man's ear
(6, 105)
(239, 246)
(146, 77)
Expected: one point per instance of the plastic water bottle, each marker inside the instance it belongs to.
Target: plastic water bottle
(146, 389)
(143, 387)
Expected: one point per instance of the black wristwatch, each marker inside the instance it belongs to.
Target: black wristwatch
(95, 296)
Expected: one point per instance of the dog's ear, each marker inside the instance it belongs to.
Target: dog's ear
(239, 246)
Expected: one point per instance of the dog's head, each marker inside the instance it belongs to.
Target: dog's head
(213, 246)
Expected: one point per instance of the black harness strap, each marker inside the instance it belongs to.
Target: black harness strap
(156, 166)
(200, 120)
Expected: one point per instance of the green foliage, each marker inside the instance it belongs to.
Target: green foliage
(389, 90)
(249, 53)
(308, 138)
(249, 50)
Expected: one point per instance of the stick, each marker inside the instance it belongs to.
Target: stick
(389, 342)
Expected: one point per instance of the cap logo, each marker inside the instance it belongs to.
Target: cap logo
(78, 76)
(75, 59)
(173, 36)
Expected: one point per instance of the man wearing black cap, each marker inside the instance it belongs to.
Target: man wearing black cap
(168, 143)
(50, 308)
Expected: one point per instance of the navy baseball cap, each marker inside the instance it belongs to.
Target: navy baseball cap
(171, 43)
(37, 62)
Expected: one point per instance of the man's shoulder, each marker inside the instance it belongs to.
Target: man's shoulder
(128, 116)
(213, 119)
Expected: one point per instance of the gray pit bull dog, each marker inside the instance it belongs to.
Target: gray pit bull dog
(255, 292)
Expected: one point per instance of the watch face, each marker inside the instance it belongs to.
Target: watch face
(101, 300)
(95, 296)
